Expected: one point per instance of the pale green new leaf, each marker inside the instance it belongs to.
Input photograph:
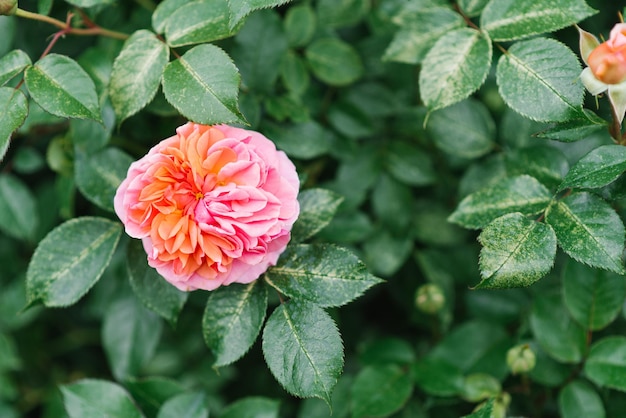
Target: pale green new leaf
(579, 399)
(606, 363)
(12, 64)
(70, 260)
(506, 20)
(323, 274)
(455, 67)
(18, 208)
(232, 320)
(380, 390)
(61, 87)
(13, 112)
(241, 8)
(522, 194)
(137, 73)
(97, 398)
(516, 252)
(540, 79)
(600, 167)
(588, 230)
(185, 405)
(317, 208)
(197, 22)
(203, 86)
(303, 349)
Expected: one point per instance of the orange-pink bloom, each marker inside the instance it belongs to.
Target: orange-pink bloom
(608, 60)
(213, 205)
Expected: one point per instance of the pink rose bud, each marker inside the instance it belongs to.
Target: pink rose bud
(608, 61)
(213, 205)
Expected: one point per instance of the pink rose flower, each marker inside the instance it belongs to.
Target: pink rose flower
(213, 205)
(608, 60)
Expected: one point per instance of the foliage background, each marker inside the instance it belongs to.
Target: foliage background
(336, 84)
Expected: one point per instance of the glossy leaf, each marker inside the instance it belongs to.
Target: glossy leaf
(92, 398)
(588, 230)
(506, 20)
(540, 79)
(241, 8)
(18, 208)
(187, 405)
(521, 194)
(197, 22)
(579, 399)
(12, 64)
(320, 273)
(455, 67)
(606, 363)
(232, 320)
(334, 61)
(70, 260)
(317, 208)
(153, 290)
(379, 391)
(137, 73)
(61, 87)
(303, 349)
(516, 252)
(600, 167)
(13, 112)
(252, 407)
(575, 129)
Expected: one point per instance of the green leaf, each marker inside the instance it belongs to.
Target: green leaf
(575, 129)
(606, 363)
(300, 24)
(70, 260)
(317, 208)
(588, 230)
(437, 377)
(465, 130)
(410, 164)
(152, 392)
(252, 407)
(579, 399)
(137, 73)
(18, 209)
(379, 391)
(387, 350)
(540, 79)
(96, 398)
(59, 85)
(555, 330)
(12, 64)
(164, 11)
(185, 405)
(506, 20)
(543, 162)
(480, 386)
(303, 349)
(600, 167)
(13, 112)
(153, 290)
(130, 334)
(334, 61)
(516, 252)
(392, 203)
(203, 85)
(320, 273)
(232, 320)
(518, 194)
(241, 8)
(335, 14)
(486, 411)
(197, 22)
(472, 8)
(294, 74)
(99, 175)
(303, 140)
(593, 297)
(385, 253)
(89, 3)
(455, 67)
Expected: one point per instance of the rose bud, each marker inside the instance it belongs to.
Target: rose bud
(608, 61)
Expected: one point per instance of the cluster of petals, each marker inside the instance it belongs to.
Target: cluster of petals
(213, 205)
(606, 66)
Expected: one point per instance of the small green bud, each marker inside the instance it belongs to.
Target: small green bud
(429, 298)
(521, 359)
(8, 7)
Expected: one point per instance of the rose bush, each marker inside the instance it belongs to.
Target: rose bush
(213, 205)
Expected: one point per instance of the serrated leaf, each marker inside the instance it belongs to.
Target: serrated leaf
(12, 64)
(506, 20)
(334, 61)
(197, 22)
(13, 112)
(516, 252)
(203, 85)
(303, 349)
(606, 363)
(70, 260)
(600, 167)
(522, 194)
(185, 405)
(593, 297)
(579, 399)
(252, 407)
(130, 334)
(543, 162)
(317, 208)
(18, 209)
(320, 273)
(61, 87)
(137, 73)
(575, 129)
(232, 320)
(588, 230)
(379, 391)
(92, 398)
(241, 8)
(455, 67)
(153, 290)
(540, 79)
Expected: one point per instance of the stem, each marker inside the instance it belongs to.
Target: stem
(615, 130)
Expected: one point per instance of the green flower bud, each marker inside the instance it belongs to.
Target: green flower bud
(429, 298)
(521, 359)
(8, 7)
